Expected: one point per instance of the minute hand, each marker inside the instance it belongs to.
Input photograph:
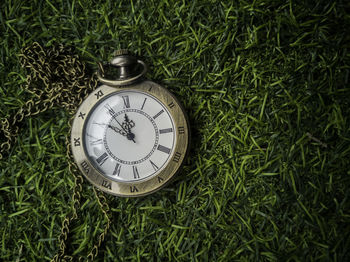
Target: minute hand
(128, 124)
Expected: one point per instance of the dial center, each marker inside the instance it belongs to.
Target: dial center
(131, 136)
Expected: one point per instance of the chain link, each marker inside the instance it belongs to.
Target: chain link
(56, 77)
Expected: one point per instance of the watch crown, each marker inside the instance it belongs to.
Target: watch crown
(121, 52)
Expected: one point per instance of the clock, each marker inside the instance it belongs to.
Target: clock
(130, 136)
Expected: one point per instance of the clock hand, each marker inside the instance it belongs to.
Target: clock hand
(124, 132)
(119, 123)
(117, 130)
(132, 124)
(128, 124)
(114, 128)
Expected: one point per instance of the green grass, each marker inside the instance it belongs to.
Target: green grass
(266, 87)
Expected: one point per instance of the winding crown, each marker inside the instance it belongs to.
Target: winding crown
(121, 52)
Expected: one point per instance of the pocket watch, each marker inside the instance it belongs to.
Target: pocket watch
(130, 136)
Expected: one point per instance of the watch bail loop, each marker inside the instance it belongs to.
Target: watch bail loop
(129, 69)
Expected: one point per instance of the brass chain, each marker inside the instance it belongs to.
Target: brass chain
(56, 77)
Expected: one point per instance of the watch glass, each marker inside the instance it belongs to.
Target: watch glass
(129, 136)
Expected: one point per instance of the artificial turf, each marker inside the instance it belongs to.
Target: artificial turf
(266, 87)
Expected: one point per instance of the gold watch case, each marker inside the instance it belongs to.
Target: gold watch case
(136, 188)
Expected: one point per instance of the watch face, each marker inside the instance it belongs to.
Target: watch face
(129, 136)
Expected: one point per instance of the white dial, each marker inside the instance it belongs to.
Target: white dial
(129, 136)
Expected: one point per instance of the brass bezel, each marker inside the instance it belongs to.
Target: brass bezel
(138, 188)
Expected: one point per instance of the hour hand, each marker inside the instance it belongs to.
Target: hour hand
(115, 129)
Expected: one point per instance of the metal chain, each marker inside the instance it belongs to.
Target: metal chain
(56, 77)
(78, 181)
(102, 201)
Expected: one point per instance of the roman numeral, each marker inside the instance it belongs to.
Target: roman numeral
(85, 167)
(126, 101)
(160, 179)
(171, 105)
(81, 115)
(154, 165)
(77, 141)
(143, 104)
(136, 172)
(164, 149)
(101, 159)
(166, 130)
(106, 184)
(158, 114)
(110, 109)
(176, 157)
(99, 94)
(133, 189)
(117, 169)
(181, 130)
